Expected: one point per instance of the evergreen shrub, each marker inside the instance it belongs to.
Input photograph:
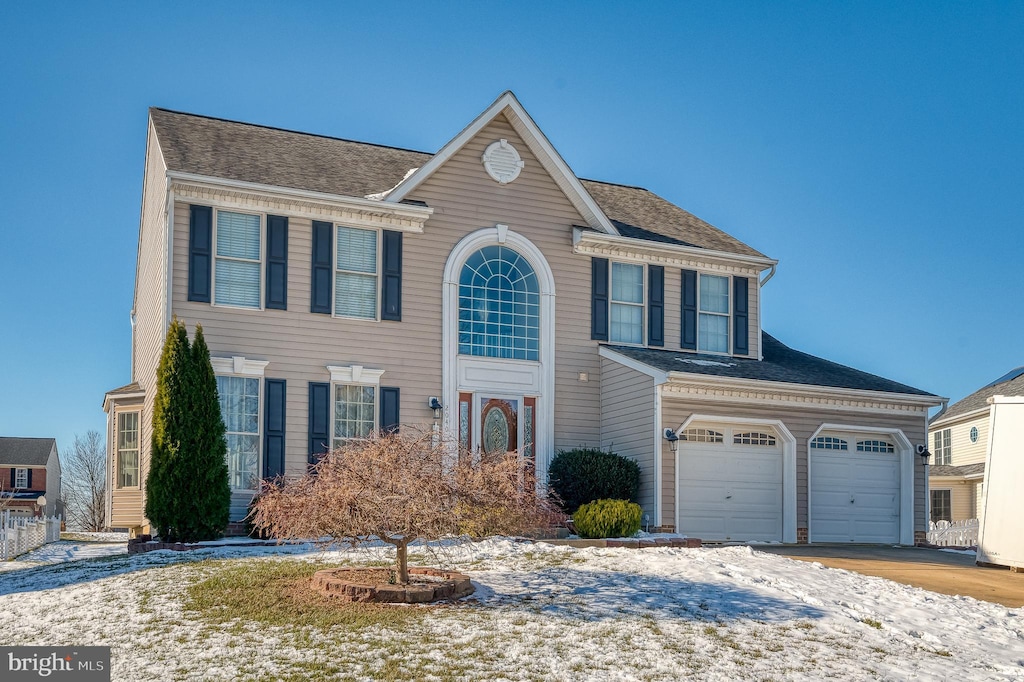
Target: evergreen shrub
(586, 474)
(607, 519)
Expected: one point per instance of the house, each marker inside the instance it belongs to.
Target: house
(959, 438)
(29, 473)
(345, 287)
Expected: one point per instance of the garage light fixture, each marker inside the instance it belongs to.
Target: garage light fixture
(924, 454)
(673, 440)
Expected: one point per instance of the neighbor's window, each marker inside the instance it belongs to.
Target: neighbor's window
(21, 478)
(942, 506)
(128, 450)
(499, 305)
(713, 321)
(355, 274)
(237, 272)
(627, 304)
(942, 447)
(355, 412)
(240, 408)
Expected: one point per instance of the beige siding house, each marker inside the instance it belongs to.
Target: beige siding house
(959, 441)
(344, 287)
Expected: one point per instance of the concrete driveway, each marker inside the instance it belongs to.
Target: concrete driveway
(931, 569)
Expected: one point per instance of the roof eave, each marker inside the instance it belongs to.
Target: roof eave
(581, 237)
(970, 414)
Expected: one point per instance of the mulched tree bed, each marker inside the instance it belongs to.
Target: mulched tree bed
(378, 585)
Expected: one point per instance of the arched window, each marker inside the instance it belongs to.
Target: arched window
(499, 305)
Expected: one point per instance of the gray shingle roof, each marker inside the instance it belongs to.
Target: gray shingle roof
(25, 452)
(781, 363)
(977, 400)
(285, 158)
(952, 471)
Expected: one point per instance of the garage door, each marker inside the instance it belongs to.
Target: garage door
(730, 484)
(855, 490)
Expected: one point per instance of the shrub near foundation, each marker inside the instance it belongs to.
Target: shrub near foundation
(607, 519)
(587, 474)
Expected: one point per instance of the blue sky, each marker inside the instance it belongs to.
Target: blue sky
(875, 149)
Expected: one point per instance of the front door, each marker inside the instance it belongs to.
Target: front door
(497, 424)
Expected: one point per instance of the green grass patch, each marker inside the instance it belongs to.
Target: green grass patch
(279, 593)
(872, 622)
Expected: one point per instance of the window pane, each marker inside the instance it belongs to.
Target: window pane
(354, 411)
(499, 305)
(237, 283)
(355, 295)
(357, 249)
(627, 283)
(627, 323)
(243, 463)
(128, 449)
(238, 235)
(713, 333)
(714, 294)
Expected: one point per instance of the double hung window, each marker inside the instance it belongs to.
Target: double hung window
(713, 317)
(943, 447)
(942, 505)
(627, 303)
(128, 450)
(240, 409)
(355, 412)
(238, 265)
(20, 479)
(355, 273)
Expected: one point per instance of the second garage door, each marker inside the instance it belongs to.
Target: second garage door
(730, 484)
(855, 490)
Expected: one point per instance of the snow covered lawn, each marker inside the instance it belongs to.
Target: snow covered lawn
(540, 613)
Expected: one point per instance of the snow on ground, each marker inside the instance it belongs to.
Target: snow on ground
(64, 551)
(542, 612)
(91, 536)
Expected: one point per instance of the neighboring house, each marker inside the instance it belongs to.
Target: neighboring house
(344, 286)
(959, 438)
(29, 470)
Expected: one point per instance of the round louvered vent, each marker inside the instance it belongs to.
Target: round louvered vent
(502, 162)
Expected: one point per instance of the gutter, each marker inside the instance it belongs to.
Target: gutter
(580, 236)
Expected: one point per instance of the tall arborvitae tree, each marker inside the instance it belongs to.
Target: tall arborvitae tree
(205, 468)
(170, 415)
(187, 493)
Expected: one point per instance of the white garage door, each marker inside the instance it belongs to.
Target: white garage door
(855, 490)
(730, 484)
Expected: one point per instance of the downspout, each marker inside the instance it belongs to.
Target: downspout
(760, 320)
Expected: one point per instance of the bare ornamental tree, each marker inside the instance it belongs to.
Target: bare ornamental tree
(402, 488)
(84, 482)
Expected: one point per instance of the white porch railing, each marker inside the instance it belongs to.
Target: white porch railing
(953, 533)
(20, 534)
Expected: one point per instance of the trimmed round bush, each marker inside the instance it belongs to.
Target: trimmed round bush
(607, 519)
(587, 474)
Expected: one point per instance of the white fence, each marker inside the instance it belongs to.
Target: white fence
(953, 533)
(20, 534)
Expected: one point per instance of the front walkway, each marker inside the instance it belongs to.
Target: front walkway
(946, 572)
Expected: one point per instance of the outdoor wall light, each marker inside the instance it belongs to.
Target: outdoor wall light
(922, 451)
(673, 439)
(435, 404)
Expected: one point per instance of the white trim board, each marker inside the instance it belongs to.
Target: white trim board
(538, 143)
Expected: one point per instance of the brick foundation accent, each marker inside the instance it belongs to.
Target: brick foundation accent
(663, 529)
(801, 536)
(920, 537)
(690, 543)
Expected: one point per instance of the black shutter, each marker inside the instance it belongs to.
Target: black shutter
(323, 266)
(740, 316)
(688, 296)
(656, 305)
(319, 420)
(28, 483)
(200, 260)
(275, 391)
(389, 400)
(391, 267)
(599, 299)
(277, 262)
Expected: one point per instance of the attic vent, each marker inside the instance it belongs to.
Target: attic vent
(502, 161)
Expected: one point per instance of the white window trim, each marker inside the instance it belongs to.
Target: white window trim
(355, 374)
(335, 270)
(945, 435)
(240, 366)
(117, 450)
(21, 474)
(259, 421)
(642, 305)
(729, 341)
(376, 405)
(905, 453)
(215, 257)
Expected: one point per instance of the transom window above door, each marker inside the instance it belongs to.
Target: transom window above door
(499, 305)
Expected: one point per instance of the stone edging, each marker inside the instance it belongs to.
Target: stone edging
(332, 583)
(145, 543)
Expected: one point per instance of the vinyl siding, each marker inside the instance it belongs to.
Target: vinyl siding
(802, 423)
(962, 496)
(627, 423)
(126, 504)
(962, 450)
(299, 345)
